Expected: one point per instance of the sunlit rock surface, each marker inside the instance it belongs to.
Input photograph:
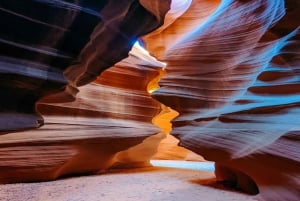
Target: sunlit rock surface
(233, 76)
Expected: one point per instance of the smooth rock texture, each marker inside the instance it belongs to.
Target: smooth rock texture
(233, 77)
(228, 70)
(108, 125)
(51, 46)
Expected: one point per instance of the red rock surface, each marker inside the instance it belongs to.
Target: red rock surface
(64, 45)
(232, 76)
(109, 124)
(234, 80)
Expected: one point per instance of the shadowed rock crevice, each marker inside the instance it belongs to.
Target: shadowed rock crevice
(235, 179)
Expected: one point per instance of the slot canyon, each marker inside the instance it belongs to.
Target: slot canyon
(150, 100)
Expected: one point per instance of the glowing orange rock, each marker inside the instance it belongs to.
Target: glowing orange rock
(234, 79)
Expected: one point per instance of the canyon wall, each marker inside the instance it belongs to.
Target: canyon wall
(49, 50)
(233, 77)
(227, 70)
(55, 46)
(108, 125)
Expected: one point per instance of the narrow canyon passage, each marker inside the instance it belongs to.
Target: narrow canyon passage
(150, 100)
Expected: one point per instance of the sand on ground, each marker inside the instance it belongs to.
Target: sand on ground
(141, 184)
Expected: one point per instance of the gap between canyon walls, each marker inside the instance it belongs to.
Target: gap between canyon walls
(143, 152)
(168, 148)
(161, 145)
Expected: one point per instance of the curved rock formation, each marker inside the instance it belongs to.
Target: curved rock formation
(232, 75)
(234, 79)
(108, 125)
(51, 46)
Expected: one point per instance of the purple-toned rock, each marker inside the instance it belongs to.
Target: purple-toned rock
(233, 77)
(52, 46)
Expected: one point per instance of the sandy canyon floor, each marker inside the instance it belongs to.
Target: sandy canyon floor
(140, 184)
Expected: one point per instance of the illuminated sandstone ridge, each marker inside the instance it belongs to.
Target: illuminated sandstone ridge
(234, 79)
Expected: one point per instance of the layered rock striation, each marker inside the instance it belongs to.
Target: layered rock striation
(52, 46)
(108, 125)
(232, 79)
(233, 76)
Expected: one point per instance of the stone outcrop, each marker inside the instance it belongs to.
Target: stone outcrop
(52, 46)
(233, 77)
(49, 50)
(108, 125)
